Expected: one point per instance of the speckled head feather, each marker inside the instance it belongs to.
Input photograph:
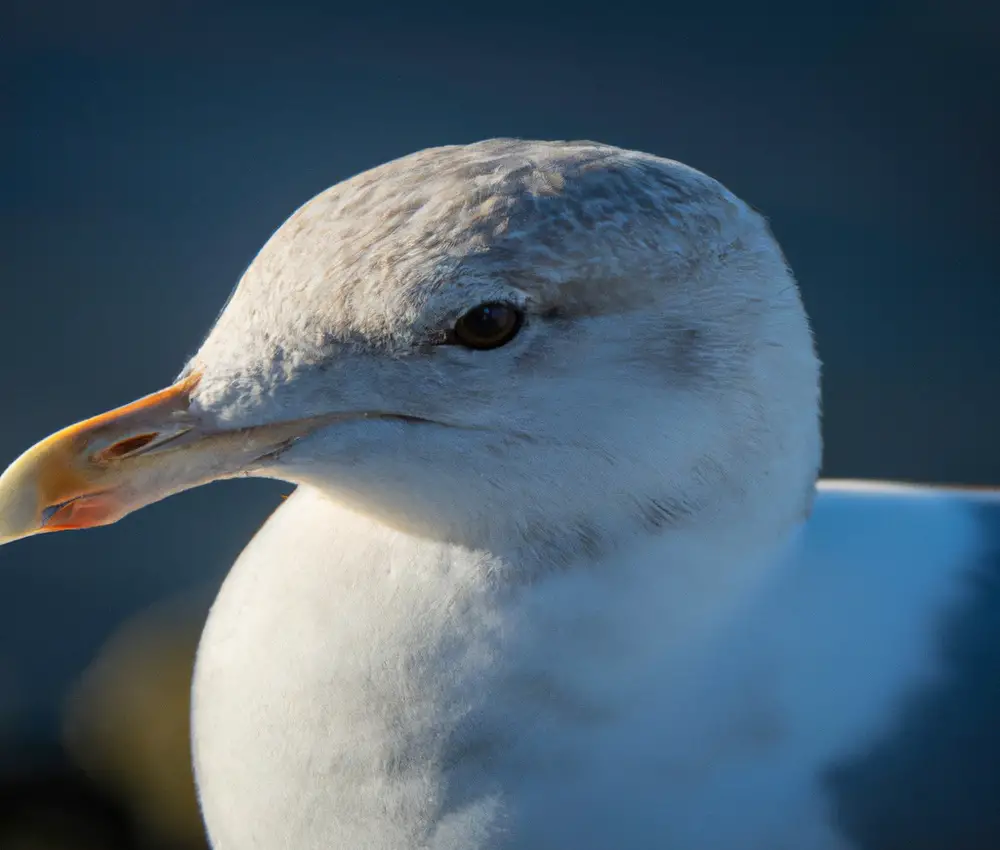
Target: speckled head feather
(644, 276)
(579, 228)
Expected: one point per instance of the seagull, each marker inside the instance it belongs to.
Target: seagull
(557, 572)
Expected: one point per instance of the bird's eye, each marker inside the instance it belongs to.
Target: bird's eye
(488, 325)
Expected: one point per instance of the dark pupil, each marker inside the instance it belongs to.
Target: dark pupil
(488, 322)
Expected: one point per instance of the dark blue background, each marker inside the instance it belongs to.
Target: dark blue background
(149, 149)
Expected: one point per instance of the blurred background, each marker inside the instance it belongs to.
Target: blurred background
(149, 149)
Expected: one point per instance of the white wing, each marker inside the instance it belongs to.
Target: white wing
(895, 659)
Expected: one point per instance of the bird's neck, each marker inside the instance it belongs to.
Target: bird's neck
(395, 683)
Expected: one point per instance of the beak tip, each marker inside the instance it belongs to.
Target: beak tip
(19, 513)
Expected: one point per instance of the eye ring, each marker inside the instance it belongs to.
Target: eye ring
(489, 325)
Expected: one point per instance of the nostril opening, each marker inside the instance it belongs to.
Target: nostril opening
(127, 446)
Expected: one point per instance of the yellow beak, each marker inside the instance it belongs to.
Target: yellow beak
(97, 471)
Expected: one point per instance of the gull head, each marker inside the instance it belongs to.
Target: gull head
(542, 342)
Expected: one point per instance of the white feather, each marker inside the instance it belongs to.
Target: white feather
(579, 609)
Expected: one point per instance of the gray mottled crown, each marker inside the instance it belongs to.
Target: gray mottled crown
(575, 225)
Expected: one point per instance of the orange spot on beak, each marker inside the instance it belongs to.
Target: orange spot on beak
(83, 512)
